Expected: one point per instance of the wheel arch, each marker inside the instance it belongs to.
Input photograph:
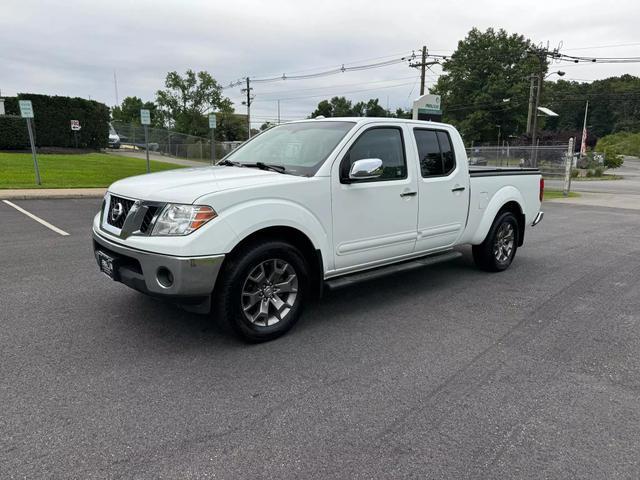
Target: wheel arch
(507, 199)
(515, 208)
(294, 237)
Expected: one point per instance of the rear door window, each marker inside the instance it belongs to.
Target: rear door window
(435, 152)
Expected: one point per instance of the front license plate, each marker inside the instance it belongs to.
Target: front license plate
(107, 264)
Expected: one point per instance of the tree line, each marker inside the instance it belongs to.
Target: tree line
(485, 93)
(183, 106)
(484, 87)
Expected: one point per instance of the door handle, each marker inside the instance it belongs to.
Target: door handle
(408, 194)
(457, 189)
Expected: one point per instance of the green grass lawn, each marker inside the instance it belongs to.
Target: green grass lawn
(605, 177)
(551, 194)
(71, 171)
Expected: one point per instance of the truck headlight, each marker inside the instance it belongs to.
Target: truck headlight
(178, 219)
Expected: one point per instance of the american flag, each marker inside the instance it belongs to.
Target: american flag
(583, 145)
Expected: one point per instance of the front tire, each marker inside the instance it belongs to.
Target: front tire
(262, 290)
(497, 251)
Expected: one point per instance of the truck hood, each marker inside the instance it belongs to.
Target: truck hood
(185, 185)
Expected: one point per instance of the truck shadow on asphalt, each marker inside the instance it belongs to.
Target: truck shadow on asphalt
(337, 312)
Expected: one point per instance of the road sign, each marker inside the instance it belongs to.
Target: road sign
(26, 112)
(26, 109)
(427, 107)
(145, 117)
(212, 120)
(431, 102)
(75, 125)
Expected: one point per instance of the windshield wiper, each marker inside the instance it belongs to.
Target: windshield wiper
(229, 163)
(267, 166)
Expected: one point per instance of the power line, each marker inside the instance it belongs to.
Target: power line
(605, 46)
(406, 52)
(341, 69)
(337, 93)
(339, 86)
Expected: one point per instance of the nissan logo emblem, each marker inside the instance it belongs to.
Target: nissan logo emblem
(116, 211)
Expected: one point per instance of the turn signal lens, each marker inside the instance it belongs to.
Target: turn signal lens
(202, 216)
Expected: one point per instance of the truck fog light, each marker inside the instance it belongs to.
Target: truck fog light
(165, 277)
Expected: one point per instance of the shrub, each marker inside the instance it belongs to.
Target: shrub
(52, 116)
(589, 173)
(616, 145)
(598, 172)
(612, 159)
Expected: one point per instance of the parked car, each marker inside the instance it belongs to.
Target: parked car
(310, 205)
(114, 139)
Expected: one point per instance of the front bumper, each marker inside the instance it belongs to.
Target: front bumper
(538, 218)
(193, 278)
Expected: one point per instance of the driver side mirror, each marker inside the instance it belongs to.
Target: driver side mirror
(366, 169)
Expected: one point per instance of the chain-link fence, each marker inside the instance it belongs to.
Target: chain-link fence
(174, 144)
(550, 159)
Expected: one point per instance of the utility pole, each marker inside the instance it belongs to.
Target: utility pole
(115, 84)
(542, 59)
(531, 103)
(423, 66)
(248, 103)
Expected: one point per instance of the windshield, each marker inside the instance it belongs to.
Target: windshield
(299, 147)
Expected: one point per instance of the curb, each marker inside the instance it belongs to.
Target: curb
(51, 194)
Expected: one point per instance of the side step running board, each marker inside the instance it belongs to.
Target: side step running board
(347, 280)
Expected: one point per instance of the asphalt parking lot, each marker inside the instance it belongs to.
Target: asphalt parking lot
(447, 372)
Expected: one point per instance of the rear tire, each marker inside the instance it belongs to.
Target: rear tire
(262, 290)
(497, 251)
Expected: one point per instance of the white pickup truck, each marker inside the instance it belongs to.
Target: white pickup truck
(308, 205)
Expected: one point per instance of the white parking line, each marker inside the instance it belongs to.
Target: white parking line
(37, 219)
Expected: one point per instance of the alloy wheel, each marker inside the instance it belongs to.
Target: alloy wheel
(269, 292)
(504, 243)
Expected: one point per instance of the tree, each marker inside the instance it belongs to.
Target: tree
(129, 111)
(486, 84)
(266, 125)
(231, 126)
(336, 107)
(341, 107)
(185, 100)
(371, 108)
(614, 106)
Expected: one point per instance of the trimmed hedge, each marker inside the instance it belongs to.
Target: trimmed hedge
(52, 116)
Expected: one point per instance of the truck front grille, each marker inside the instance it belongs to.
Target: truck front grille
(118, 210)
(148, 217)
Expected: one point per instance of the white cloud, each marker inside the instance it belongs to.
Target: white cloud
(73, 47)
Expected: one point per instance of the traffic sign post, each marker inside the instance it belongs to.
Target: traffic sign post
(212, 126)
(26, 112)
(75, 127)
(145, 119)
